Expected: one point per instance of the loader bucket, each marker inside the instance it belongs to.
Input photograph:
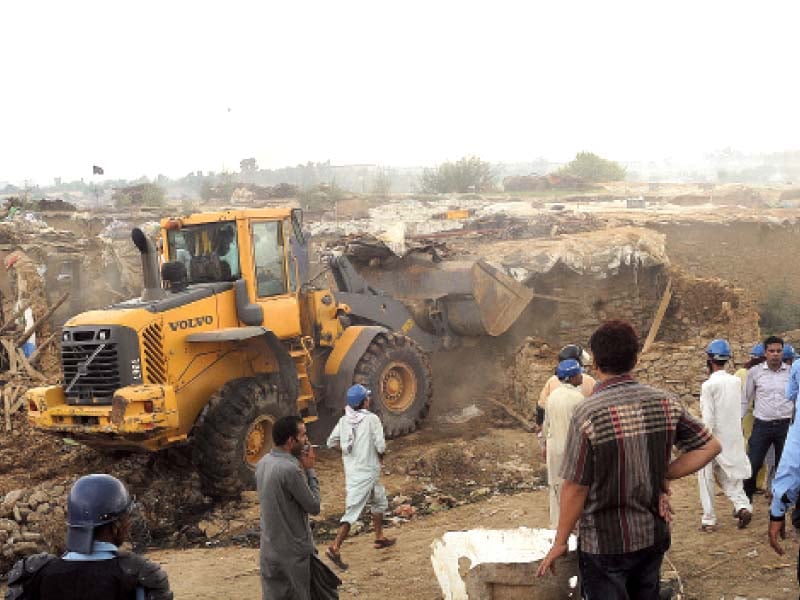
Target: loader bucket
(477, 298)
(497, 302)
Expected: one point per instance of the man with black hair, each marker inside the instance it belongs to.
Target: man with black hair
(615, 470)
(288, 491)
(772, 410)
(98, 523)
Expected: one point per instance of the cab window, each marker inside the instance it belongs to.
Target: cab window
(270, 258)
(210, 252)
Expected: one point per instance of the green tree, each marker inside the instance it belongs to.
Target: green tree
(248, 165)
(592, 168)
(470, 174)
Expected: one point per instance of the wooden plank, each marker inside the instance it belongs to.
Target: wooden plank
(38, 322)
(41, 347)
(11, 354)
(659, 316)
(18, 403)
(17, 314)
(7, 407)
(11, 402)
(26, 366)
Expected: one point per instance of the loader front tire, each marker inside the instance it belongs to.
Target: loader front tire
(399, 375)
(234, 432)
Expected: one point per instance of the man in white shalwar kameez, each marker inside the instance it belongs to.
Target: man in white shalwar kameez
(359, 433)
(560, 405)
(720, 405)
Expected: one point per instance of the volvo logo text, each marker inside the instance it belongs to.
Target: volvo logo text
(191, 323)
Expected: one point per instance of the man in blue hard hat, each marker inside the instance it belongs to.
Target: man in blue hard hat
(359, 433)
(720, 397)
(98, 521)
(560, 407)
(772, 411)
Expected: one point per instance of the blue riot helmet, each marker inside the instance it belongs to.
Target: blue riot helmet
(719, 350)
(758, 351)
(93, 501)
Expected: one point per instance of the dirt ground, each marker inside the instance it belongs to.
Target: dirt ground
(727, 564)
(468, 467)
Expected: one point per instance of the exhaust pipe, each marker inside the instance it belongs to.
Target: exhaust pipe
(152, 281)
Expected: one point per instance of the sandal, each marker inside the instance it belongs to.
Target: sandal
(708, 528)
(336, 558)
(744, 516)
(384, 543)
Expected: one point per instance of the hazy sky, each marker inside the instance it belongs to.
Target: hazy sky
(143, 88)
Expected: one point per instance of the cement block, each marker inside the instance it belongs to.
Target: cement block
(501, 565)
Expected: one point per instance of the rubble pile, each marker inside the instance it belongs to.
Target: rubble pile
(169, 502)
(54, 205)
(32, 520)
(707, 308)
(249, 193)
(598, 254)
(31, 232)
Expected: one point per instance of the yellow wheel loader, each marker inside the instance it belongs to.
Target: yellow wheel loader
(230, 334)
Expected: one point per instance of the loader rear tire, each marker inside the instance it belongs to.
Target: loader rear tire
(234, 432)
(398, 373)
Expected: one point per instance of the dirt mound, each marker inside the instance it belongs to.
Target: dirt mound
(29, 457)
(34, 486)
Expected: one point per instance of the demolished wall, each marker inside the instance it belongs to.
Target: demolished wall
(699, 311)
(94, 260)
(583, 279)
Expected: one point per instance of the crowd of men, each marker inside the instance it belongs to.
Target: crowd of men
(609, 450)
(608, 445)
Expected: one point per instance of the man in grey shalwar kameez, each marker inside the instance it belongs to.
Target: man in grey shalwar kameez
(360, 435)
(288, 491)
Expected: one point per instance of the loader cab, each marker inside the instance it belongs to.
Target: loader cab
(258, 246)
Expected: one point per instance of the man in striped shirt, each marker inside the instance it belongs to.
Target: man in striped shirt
(616, 468)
